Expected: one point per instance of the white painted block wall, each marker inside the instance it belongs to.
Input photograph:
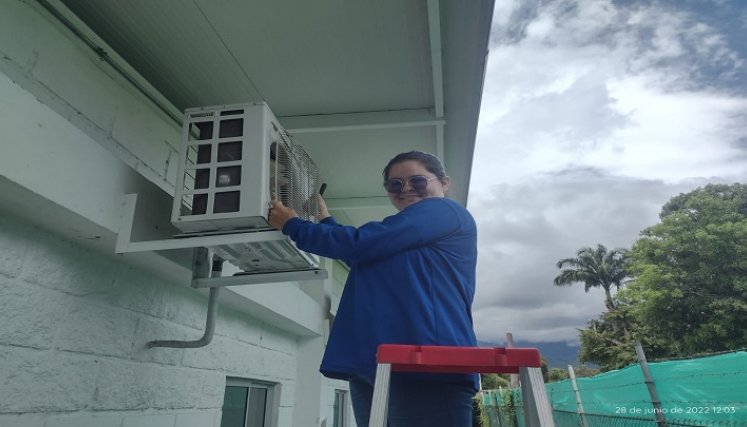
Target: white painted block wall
(42, 56)
(74, 322)
(72, 342)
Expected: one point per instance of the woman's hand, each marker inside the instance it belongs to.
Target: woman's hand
(323, 212)
(280, 214)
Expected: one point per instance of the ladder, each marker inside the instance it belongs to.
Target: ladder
(448, 359)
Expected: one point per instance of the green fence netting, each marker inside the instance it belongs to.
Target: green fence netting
(497, 405)
(707, 391)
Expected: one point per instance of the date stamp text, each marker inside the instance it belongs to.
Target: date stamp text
(636, 410)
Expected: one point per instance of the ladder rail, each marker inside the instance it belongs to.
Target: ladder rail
(524, 361)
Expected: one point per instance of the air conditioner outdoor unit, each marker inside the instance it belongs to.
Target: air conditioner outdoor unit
(233, 161)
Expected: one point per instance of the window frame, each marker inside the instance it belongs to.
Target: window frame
(271, 404)
(340, 408)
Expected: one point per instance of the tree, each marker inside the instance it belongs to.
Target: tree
(609, 341)
(544, 368)
(560, 374)
(585, 371)
(595, 268)
(557, 374)
(690, 285)
(493, 381)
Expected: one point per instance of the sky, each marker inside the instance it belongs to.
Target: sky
(594, 114)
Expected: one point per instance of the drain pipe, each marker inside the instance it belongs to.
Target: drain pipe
(216, 271)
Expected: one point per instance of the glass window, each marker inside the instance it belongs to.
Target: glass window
(340, 418)
(246, 404)
(234, 406)
(257, 411)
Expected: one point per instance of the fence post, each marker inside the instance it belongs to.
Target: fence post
(513, 378)
(498, 398)
(580, 406)
(536, 406)
(660, 420)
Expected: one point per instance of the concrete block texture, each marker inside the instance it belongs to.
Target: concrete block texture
(149, 420)
(151, 329)
(12, 248)
(77, 327)
(237, 326)
(275, 339)
(212, 356)
(64, 266)
(58, 264)
(22, 420)
(242, 360)
(31, 314)
(85, 420)
(135, 290)
(196, 419)
(95, 329)
(187, 307)
(124, 385)
(288, 394)
(205, 418)
(173, 388)
(213, 390)
(73, 342)
(45, 380)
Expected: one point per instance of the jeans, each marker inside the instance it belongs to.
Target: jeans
(416, 403)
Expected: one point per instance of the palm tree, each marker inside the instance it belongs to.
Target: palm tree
(595, 268)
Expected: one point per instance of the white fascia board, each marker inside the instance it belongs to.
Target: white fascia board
(360, 121)
(434, 32)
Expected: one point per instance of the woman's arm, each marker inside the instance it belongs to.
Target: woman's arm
(419, 224)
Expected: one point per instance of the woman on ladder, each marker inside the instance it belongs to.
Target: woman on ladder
(411, 281)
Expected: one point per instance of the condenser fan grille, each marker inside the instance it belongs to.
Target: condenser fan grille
(278, 255)
(295, 178)
(234, 160)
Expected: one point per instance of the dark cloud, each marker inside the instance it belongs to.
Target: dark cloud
(595, 113)
(525, 228)
(699, 44)
(568, 111)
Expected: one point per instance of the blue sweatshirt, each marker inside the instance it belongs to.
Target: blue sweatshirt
(411, 281)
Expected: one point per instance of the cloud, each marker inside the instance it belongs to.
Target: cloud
(594, 114)
(593, 85)
(525, 228)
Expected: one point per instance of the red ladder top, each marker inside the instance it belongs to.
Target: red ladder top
(430, 358)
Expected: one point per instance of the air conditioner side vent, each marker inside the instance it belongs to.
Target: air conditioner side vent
(234, 160)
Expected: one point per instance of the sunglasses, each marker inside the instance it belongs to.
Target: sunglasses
(417, 183)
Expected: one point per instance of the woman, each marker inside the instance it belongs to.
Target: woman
(411, 281)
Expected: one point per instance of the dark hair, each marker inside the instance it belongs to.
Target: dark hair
(428, 160)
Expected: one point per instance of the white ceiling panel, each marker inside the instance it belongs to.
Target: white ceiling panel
(354, 77)
(353, 160)
(346, 56)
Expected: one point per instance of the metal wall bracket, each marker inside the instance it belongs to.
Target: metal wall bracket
(257, 278)
(126, 245)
